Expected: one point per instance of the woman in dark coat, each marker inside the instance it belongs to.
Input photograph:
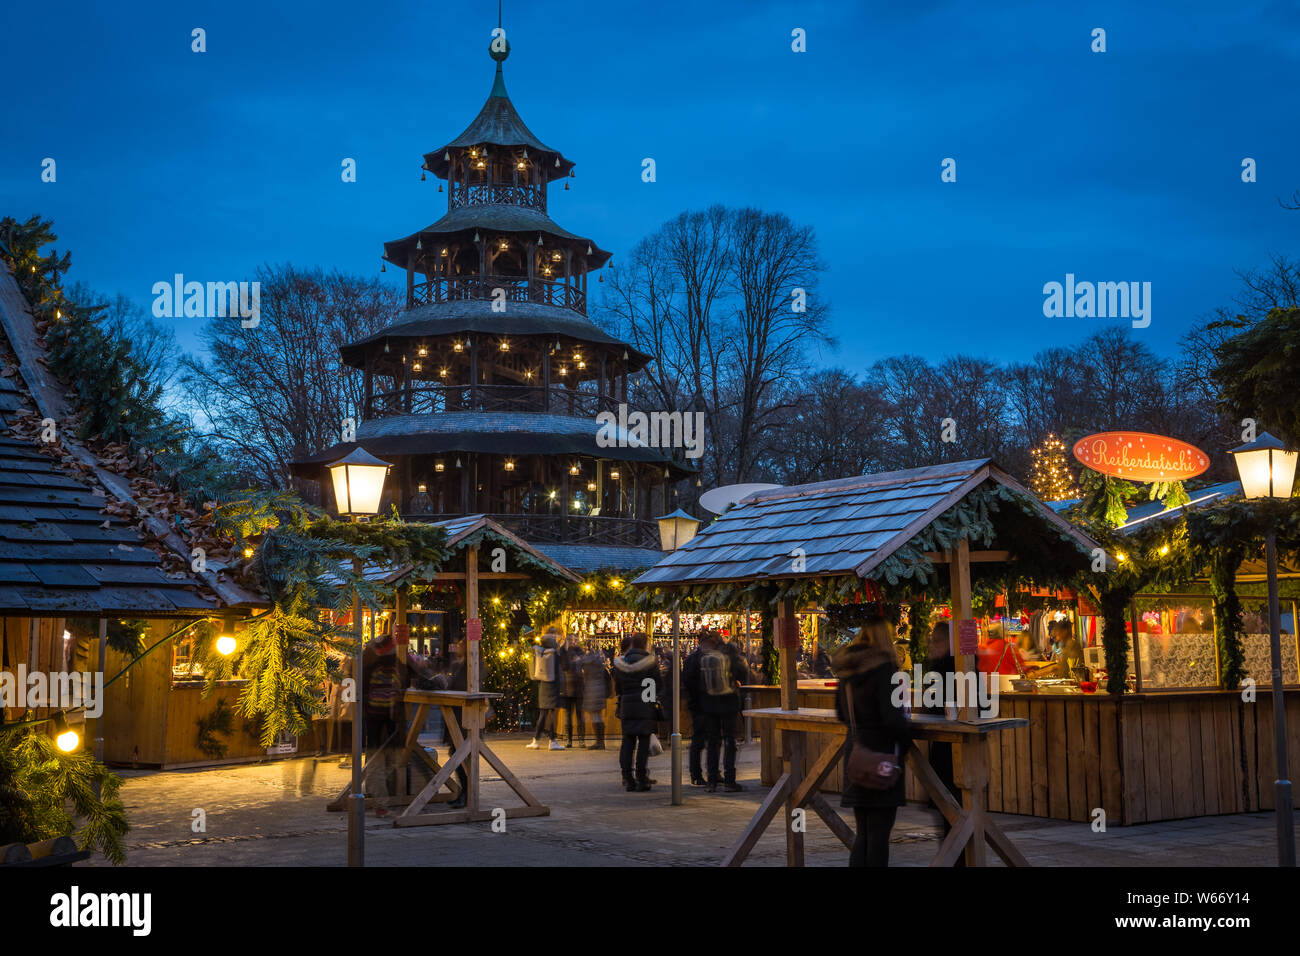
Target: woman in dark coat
(638, 709)
(866, 669)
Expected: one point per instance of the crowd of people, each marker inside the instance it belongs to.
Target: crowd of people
(577, 680)
(574, 679)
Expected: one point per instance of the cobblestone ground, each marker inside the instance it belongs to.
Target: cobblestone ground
(273, 814)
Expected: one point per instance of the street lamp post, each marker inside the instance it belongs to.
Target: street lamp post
(676, 530)
(358, 488)
(1267, 470)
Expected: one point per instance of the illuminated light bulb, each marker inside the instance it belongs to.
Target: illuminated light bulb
(591, 486)
(564, 370)
(225, 645)
(439, 467)
(442, 373)
(248, 552)
(423, 351)
(423, 488)
(416, 367)
(1120, 556)
(616, 583)
(510, 466)
(456, 346)
(67, 740)
(1164, 549)
(613, 473)
(505, 346)
(573, 469)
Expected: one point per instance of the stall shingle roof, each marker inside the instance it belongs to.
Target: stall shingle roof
(60, 554)
(846, 526)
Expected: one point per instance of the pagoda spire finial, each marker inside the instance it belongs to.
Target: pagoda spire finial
(499, 49)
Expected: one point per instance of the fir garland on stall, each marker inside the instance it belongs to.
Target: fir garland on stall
(303, 560)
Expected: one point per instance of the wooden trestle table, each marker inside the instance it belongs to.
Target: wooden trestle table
(972, 828)
(468, 747)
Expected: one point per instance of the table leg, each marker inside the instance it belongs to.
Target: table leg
(794, 770)
(974, 795)
(766, 811)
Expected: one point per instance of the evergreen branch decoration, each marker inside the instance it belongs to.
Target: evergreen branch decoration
(43, 792)
(220, 721)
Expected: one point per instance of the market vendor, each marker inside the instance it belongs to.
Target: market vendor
(1067, 653)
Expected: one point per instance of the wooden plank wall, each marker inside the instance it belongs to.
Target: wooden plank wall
(1140, 759)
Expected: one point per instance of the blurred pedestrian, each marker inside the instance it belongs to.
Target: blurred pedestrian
(546, 671)
(596, 689)
(866, 668)
(691, 694)
(638, 681)
(721, 672)
(570, 663)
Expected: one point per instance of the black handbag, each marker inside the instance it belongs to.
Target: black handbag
(866, 767)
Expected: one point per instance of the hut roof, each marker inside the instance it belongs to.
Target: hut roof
(472, 531)
(498, 124)
(63, 552)
(844, 527)
(475, 315)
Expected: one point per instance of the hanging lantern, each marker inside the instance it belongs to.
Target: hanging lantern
(613, 474)
(439, 467)
(573, 469)
(418, 245)
(439, 187)
(566, 186)
(510, 464)
(422, 177)
(446, 156)
(382, 267)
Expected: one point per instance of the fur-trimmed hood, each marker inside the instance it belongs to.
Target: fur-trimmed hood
(858, 658)
(644, 663)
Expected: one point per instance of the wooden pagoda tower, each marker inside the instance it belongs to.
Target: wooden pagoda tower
(484, 393)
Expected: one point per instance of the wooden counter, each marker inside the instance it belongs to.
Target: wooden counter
(1141, 757)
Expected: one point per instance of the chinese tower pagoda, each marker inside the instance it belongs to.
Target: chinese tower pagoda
(484, 393)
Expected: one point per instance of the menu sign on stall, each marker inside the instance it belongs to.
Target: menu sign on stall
(968, 636)
(1139, 456)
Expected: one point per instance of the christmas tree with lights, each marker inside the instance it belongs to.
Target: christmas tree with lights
(1049, 475)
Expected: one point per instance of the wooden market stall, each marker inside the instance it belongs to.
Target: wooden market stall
(471, 541)
(818, 543)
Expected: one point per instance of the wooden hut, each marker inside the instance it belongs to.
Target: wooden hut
(73, 567)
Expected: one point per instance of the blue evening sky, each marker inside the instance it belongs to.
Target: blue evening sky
(1124, 165)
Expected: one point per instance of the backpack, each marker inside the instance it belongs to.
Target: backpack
(715, 674)
(542, 666)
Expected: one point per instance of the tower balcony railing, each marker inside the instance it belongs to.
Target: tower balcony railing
(420, 398)
(570, 529)
(528, 195)
(541, 290)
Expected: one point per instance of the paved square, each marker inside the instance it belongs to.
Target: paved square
(273, 814)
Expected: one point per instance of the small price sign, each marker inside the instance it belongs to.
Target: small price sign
(968, 636)
(789, 632)
(474, 629)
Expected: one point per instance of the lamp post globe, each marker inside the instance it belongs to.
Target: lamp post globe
(358, 479)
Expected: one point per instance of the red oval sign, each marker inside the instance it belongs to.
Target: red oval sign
(1139, 456)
